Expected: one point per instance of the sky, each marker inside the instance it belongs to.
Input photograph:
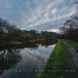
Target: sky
(37, 14)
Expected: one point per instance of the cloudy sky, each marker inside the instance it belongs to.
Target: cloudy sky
(37, 14)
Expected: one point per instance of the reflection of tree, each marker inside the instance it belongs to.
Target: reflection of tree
(8, 58)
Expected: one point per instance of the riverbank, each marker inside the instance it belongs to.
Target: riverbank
(55, 64)
(62, 62)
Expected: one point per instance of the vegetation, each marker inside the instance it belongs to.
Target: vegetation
(72, 43)
(12, 38)
(62, 56)
(55, 64)
(71, 29)
(10, 35)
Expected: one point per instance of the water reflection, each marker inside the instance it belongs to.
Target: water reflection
(22, 62)
(8, 58)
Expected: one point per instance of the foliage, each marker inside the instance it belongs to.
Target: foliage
(71, 28)
(55, 64)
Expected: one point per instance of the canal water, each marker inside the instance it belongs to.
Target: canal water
(24, 62)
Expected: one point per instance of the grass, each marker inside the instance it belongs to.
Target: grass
(58, 59)
(73, 44)
(55, 64)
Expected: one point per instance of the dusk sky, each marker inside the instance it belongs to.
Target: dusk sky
(37, 14)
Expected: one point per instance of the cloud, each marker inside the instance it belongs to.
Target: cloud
(33, 13)
(50, 10)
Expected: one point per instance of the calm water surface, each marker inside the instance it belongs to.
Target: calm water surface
(31, 60)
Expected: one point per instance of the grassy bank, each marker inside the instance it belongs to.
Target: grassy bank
(55, 64)
(71, 43)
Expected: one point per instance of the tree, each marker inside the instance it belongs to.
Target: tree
(71, 28)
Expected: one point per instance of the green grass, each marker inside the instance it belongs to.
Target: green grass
(55, 64)
(73, 44)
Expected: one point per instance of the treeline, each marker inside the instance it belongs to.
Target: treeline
(11, 35)
(71, 29)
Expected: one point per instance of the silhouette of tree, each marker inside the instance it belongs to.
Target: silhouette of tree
(71, 28)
